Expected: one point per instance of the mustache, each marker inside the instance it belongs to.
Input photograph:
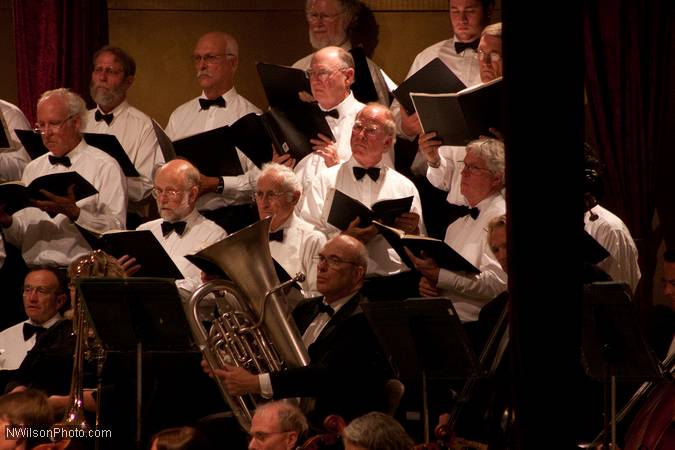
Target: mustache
(205, 73)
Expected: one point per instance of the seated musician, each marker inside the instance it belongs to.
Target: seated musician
(180, 438)
(277, 425)
(375, 431)
(29, 409)
(347, 369)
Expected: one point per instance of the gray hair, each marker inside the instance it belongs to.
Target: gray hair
(289, 180)
(125, 59)
(492, 152)
(499, 221)
(290, 416)
(74, 102)
(348, 7)
(377, 431)
(346, 58)
(389, 124)
(188, 170)
(494, 30)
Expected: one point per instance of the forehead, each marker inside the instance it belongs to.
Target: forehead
(211, 44)
(491, 43)
(337, 247)
(465, 4)
(669, 270)
(170, 176)
(472, 156)
(106, 59)
(54, 106)
(265, 420)
(42, 278)
(270, 180)
(371, 114)
(498, 236)
(324, 6)
(325, 58)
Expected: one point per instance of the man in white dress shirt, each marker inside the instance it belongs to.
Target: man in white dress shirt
(329, 22)
(113, 74)
(46, 232)
(331, 73)
(13, 162)
(482, 182)
(181, 229)
(293, 242)
(216, 56)
(43, 296)
(373, 134)
(459, 53)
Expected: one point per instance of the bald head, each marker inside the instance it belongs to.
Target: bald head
(331, 74)
(216, 57)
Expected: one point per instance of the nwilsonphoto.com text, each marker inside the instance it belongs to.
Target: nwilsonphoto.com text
(55, 434)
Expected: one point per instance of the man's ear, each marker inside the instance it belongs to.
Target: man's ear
(349, 74)
(291, 440)
(61, 300)
(129, 80)
(294, 198)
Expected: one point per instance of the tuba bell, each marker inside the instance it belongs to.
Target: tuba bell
(252, 330)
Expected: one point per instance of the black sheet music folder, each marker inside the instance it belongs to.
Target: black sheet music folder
(127, 311)
(423, 334)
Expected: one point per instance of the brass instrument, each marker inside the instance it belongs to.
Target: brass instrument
(253, 330)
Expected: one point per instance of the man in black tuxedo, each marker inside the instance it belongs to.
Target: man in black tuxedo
(348, 368)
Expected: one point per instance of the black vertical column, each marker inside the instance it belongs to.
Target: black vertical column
(543, 75)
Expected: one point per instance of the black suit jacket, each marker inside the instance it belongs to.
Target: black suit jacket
(347, 367)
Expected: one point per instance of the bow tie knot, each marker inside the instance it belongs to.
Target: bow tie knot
(178, 227)
(29, 330)
(372, 172)
(324, 308)
(277, 236)
(465, 210)
(461, 46)
(107, 118)
(333, 113)
(63, 160)
(205, 103)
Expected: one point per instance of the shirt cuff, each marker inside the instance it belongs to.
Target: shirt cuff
(265, 386)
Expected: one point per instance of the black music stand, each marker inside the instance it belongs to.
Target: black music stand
(424, 338)
(136, 315)
(613, 348)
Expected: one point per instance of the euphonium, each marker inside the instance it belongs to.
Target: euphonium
(253, 330)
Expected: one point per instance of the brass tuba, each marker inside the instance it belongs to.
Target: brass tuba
(253, 330)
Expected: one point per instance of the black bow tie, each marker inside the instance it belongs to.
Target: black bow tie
(277, 236)
(63, 160)
(463, 210)
(373, 172)
(461, 46)
(333, 113)
(107, 118)
(322, 307)
(205, 103)
(29, 330)
(178, 227)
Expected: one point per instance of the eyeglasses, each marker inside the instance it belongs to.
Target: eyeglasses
(315, 17)
(262, 436)
(332, 261)
(41, 290)
(209, 59)
(488, 57)
(270, 195)
(369, 129)
(171, 193)
(42, 128)
(472, 169)
(109, 71)
(322, 74)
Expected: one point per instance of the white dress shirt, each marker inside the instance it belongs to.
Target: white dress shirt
(189, 119)
(464, 65)
(13, 346)
(13, 162)
(199, 233)
(135, 133)
(382, 260)
(383, 84)
(56, 241)
(614, 236)
(295, 254)
(469, 293)
(448, 175)
(311, 165)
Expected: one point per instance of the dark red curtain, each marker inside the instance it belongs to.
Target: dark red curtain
(55, 41)
(628, 54)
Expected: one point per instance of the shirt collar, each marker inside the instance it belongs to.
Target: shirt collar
(343, 106)
(229, 96)
(75, 153)
(55, 318)
(119, 109)
(337, 304)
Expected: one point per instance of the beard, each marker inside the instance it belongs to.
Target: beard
(319, 43)
(107, 97)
